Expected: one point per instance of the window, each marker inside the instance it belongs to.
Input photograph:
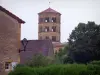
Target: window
(47, 19)
(54, 29)
(46, 29)
(47, 37)
(53, 38)
(7, 65)
(53, 19)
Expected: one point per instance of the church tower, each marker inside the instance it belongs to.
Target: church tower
(49, 25)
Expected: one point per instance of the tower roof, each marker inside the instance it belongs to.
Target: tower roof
(49, 10)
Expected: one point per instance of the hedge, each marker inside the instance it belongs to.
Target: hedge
(69, 69)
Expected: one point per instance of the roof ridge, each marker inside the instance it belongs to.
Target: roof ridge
(12, 15)
(49, 10)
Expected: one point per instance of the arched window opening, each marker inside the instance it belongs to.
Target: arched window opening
(47, 19)
(53, 19)
(46, 29)
(54, 29)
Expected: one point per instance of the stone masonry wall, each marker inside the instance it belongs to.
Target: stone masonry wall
(9, 39)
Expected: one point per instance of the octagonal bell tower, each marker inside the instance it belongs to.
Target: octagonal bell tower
(49, 25)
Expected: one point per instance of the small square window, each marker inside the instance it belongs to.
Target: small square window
(7, 65)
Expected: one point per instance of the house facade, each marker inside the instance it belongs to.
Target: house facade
(10, 31)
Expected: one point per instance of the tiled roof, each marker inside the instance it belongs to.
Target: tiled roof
(49, 10)
(57, 44)
(12, 15)
(35, 47)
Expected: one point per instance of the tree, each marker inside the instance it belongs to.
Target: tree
(62, 55)
(84, 43)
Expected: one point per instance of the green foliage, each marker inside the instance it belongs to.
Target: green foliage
(67, 59)
(58, 56)
(22, 71)
(93, 69)
(95, 62)
(69, 69)
(39, 60)
(84, 43)
(62, 55)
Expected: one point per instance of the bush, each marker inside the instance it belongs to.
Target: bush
(39, 60)
(69, 69)
(93, 69)
(21, 71)
(67, 59)
(95, 63)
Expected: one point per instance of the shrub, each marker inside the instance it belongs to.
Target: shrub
(69, 69)
(95, 63)
(93, 69)
(21, 71)
(39, 60)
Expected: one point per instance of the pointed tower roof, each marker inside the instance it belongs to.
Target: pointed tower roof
(49, 10)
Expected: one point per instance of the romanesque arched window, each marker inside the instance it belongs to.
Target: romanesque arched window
(53, 19)
(46, 29)
(47, 19)
(54, 29)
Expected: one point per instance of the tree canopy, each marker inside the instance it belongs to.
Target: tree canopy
(84, 42)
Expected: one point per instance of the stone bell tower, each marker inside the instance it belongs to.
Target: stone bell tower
(49, 25)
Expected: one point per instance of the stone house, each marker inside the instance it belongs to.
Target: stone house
(10, 30)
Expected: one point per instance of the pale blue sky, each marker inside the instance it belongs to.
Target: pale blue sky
(73, 12)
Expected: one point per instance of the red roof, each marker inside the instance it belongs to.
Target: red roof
(57, 44)
(12, 15)
(49, 10)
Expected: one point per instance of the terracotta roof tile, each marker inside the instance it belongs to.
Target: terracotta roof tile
(57, 44)
(12, 15)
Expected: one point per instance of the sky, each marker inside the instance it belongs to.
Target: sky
(73, 12)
